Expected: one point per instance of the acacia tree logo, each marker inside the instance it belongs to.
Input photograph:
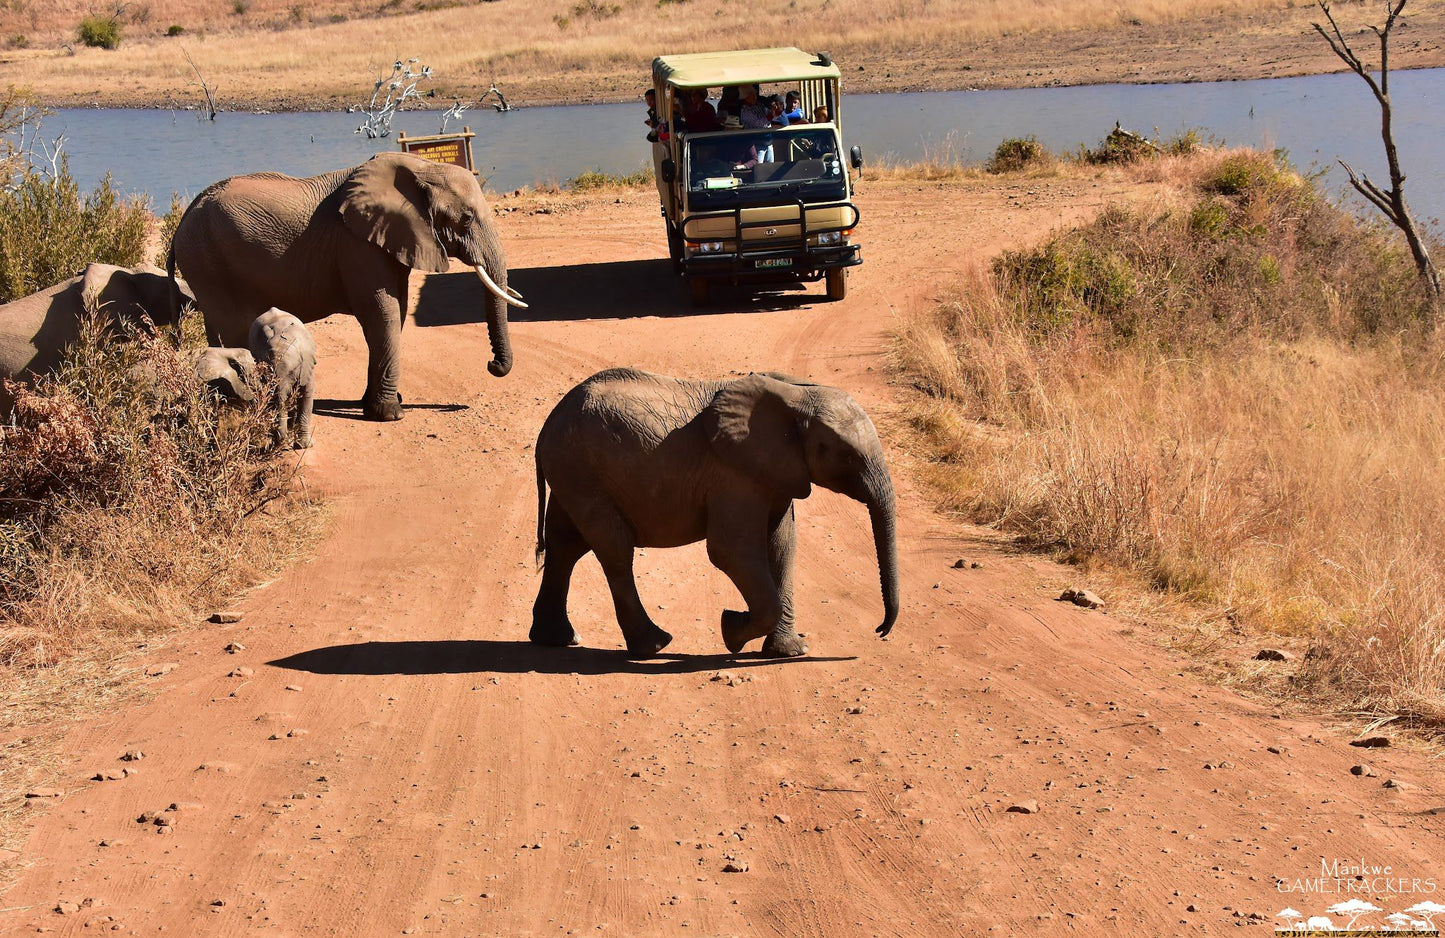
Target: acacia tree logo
(1427, 911)
(1354, 908)
(1417, 919)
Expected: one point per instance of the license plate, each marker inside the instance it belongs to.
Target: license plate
(774, 262)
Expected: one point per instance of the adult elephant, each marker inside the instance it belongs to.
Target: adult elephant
(642, 460)
(35, 330)
(343, 242)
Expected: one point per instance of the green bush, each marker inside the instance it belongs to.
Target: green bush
(597, 179)
(1120, 146)
(1015, 154)
(102, 32)
(19, 41)
(175, 29)
(49, 231)
(1258, 253)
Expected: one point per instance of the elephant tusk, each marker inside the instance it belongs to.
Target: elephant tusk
(497, 291)
(514, 293)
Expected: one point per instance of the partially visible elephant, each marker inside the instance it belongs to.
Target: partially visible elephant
(35, 330)
(283, 342)
(228, 373)
(343, 242)
(641, 460)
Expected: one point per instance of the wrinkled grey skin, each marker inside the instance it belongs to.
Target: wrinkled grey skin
(228, 373)
(35, 330)
(641, 460)
(283, 342)
(343, 242)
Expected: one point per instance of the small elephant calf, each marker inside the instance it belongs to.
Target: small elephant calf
(641, 460)
(228, 373)
(283, 342)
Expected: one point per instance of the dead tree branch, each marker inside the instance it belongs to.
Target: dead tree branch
(400, 86)
(1391, 201)
(205, 88)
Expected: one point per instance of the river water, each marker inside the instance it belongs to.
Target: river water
(1315, 119)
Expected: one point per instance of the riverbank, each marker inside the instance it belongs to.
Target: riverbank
(305, 58)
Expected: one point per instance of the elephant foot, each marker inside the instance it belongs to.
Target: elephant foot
(648, 642)
(382, 410)
(302, 441)
(735, 630)
(784, 645)
(557, 633)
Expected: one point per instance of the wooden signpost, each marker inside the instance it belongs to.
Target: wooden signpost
(455, 149)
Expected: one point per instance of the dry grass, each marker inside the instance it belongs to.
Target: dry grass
(1232, 397)
(331, 48)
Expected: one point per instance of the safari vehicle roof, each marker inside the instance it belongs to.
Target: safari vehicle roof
(751, 66)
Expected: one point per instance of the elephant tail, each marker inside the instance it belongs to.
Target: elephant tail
(176, 303)
(541, 517)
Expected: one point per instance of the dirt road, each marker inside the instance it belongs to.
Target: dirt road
(387, 755)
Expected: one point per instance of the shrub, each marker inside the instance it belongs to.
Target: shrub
(123, 492)
(19, 41)
(48, 231)
(1015, 154)
(1120, 146)
(239, 7)
(175, 29)
(597, 179)
(101, 32)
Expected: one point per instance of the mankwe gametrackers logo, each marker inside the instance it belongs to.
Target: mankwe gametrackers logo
(1357, 915)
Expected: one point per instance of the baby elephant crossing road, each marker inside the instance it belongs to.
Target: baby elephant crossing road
(641, 460)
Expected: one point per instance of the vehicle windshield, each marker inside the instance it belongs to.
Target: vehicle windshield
(727, 168)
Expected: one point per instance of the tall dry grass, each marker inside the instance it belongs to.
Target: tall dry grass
(1235, 395)
(331, 48)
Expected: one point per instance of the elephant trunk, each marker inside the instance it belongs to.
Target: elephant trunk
(497, 332)
(882, 511)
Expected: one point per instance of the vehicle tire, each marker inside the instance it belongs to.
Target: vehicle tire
(674, 247)
(700, 288)
(837, 281)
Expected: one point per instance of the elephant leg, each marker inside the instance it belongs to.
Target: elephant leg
(783, 641)
(738, 546)
(611, 539)
(283, 411)
(303, 417)
(379, 311)
(565, 546)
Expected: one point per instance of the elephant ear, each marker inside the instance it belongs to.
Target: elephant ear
(388, 201)
(755, 425)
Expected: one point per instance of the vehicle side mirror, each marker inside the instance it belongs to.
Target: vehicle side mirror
(855, 157)
(669, 170)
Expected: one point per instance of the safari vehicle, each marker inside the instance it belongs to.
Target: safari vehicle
(746, 206)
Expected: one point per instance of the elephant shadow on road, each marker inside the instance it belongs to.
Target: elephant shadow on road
(494, 657)
(351, 410)
(615, 290)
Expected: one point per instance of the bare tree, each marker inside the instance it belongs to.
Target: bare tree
(400, 86)
(205, 88)
(1391, 202)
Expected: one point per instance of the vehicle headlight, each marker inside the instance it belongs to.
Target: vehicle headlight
(830, 237)
(710, 247)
